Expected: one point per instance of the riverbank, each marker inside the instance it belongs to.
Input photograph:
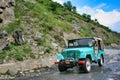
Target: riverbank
(33, 66)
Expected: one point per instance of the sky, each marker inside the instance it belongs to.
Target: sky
(107, 12)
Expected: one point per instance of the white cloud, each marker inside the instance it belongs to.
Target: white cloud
(116, 27)
(107, 18)
(59, 1)
(110, 19)
(87, 10)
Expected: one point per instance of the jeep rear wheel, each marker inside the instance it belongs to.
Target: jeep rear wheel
(101, 61)
(87, 65)
(61, 66)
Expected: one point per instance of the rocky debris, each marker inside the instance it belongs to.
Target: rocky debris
(76, 25)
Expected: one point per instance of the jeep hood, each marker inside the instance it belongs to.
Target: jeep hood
(75, 52)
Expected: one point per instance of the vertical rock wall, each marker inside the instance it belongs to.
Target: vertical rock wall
(6, 11)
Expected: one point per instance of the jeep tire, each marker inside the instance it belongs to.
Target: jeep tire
(87, 65)
(101, 61)
(61, 66)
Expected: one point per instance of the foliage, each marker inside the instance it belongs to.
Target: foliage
(86, 17)
(53, 6)
(74, 9)
(68, 6)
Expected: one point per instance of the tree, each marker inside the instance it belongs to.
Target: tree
(87, 17)
(96, 21)
(53, 6)
(74, 9)
(68, 6)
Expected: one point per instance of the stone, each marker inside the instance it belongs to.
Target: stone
(3, 33)
(1, 11)
(18, 36)
(3, 4)
(55, 45)
(6, 11)
(38, 36)
(13, 71)
(31, 71)
(76, 25)
(11, 2)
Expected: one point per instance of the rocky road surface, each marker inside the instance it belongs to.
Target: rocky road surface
(110, 71)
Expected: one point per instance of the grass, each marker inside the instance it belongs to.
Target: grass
(17, 53)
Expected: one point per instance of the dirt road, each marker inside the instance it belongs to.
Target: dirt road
(110, 71)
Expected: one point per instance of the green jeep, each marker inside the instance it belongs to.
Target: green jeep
(82, 53)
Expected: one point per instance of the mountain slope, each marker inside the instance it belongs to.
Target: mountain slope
(52, 25)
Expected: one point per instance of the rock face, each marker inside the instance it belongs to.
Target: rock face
(6, 11)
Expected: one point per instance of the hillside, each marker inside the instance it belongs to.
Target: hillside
(47, 26)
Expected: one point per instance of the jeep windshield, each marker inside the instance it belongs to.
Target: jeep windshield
(82, 42)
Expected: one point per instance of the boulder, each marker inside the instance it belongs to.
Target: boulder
(1, 11)
(3, 4)
(18, 36)
(6, 11)
(3, 34)
(11, 2)
(38, 36)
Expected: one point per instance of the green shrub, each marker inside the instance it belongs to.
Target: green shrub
(47, 50)
(41, 42)
(53, 6)
(2, 56)
(27, 50)
(69, 19)
(19, 57)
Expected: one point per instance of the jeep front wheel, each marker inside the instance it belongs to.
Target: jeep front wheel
(87, 65)
(61, 66)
